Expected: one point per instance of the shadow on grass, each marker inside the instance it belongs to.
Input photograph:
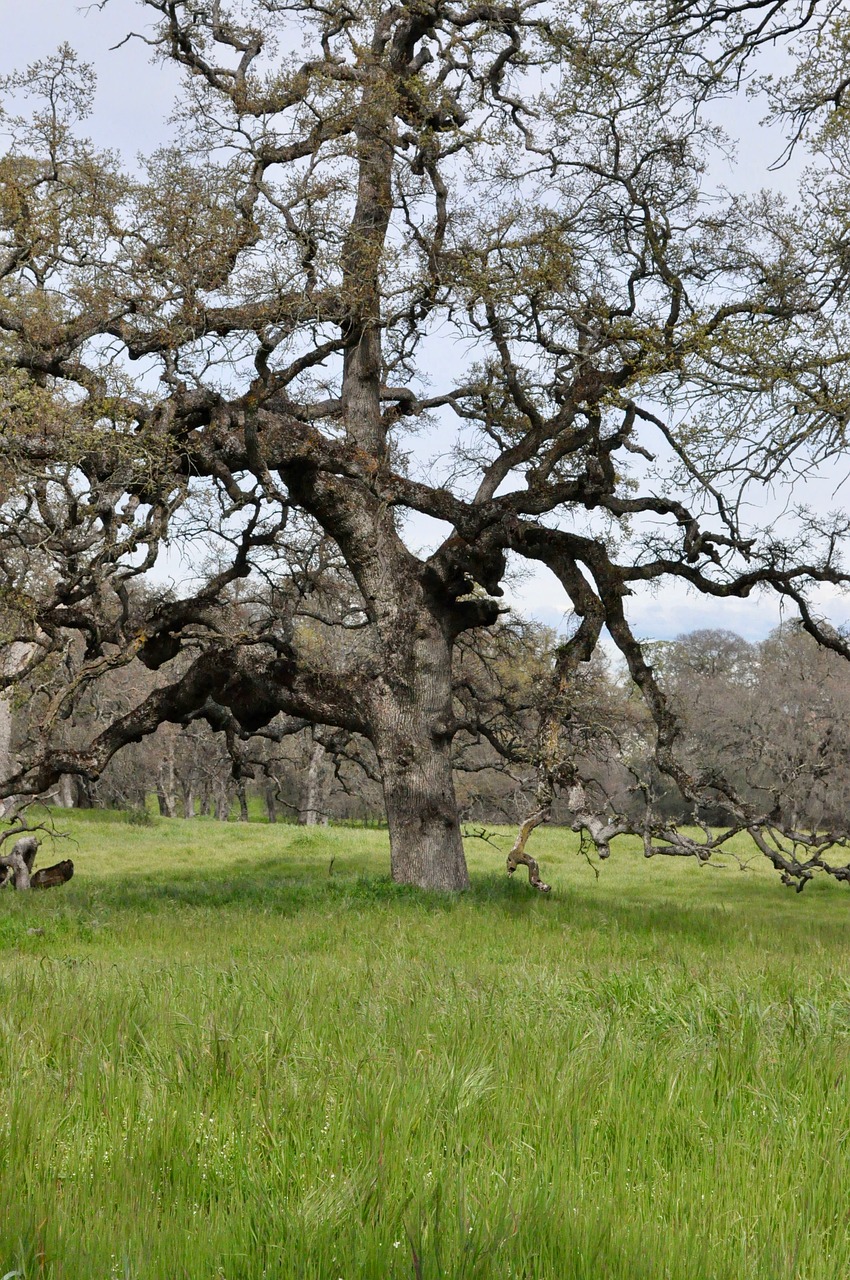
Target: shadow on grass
(279, 885)
(287, 885)
(297, 880)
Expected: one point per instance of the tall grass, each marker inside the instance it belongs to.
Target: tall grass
(219, 1060)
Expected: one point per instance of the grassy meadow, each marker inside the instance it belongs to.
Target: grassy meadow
(240, 1052)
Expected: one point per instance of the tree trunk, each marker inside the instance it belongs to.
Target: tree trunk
(311, 809)
(271, 801)
(165, 787)
(12, 659)
(16, 867)
(425, 842)
(67, 789)
(7, 763)
(243, 800)
(412, 739)
(165, 801)
(188, 802)
(84, 798)
(223, 803)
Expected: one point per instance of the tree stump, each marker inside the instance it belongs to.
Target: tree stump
(16, 868)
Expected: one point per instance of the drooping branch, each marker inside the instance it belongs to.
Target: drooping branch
(245, 334)
(519, 854)
(254, 684)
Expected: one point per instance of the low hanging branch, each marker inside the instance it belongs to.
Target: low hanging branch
(383, 198)
(554, 764)
(518, 852)
(562, 743)
(586, 819)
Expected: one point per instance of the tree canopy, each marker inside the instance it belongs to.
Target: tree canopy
(458, 261)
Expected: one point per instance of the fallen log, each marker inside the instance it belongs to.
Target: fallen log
(16, 867)
(50, 877)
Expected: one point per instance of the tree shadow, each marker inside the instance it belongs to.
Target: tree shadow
(295, 881)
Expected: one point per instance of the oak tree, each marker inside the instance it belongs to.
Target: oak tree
(425, 259)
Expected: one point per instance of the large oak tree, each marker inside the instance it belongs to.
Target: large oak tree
(454, 260)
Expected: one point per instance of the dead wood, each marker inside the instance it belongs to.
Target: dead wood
(518, 854)
(50, 877)
(16, 868)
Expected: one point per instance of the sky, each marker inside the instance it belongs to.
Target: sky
(133, 102)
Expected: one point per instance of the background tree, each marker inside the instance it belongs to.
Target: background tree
(378, 226)
(771, 717)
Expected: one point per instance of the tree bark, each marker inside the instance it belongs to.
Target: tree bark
(243, 800)
(223, 803)
(519, 853)
(188, 803)
(165, 801)
(84, 798)
(50, 877)
(165, 786)
(311, 809)
(15, 870)
(14, 657)
(67, 789)
(425, 842)
(7, 763)
(271, 801)
(412, 738)
(16, 867)
(406, 704)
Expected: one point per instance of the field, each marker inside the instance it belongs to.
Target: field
(241, 1052)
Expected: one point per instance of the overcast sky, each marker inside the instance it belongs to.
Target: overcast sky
(133, 101)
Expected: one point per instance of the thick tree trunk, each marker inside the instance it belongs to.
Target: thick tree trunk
(188, 802)
(412, 740)
(425, 842)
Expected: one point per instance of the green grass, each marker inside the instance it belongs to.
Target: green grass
(219, 1060)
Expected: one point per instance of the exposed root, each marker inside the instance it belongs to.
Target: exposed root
(16, 867)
